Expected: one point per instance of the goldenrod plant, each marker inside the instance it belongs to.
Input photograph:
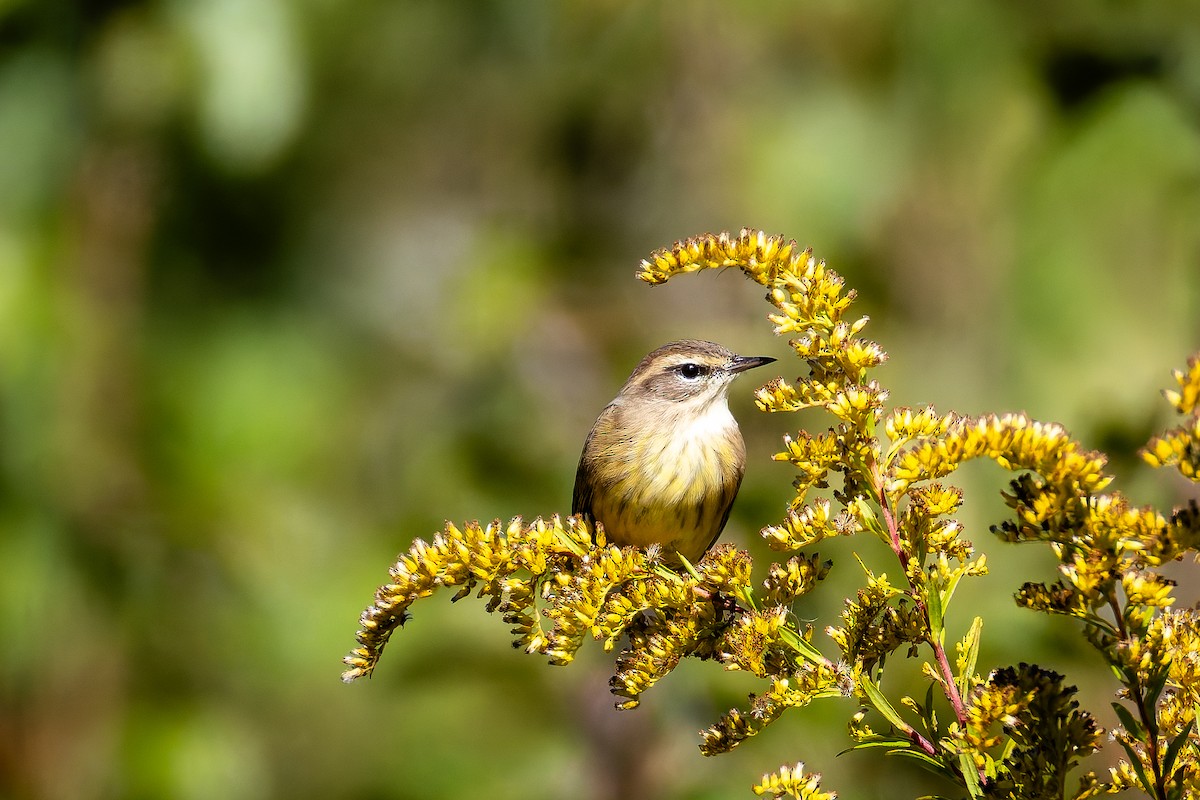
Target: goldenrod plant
(1006, 732)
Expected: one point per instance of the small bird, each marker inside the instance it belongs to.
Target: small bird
(665, 459)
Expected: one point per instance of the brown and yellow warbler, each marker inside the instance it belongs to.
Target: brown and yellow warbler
(665, 459)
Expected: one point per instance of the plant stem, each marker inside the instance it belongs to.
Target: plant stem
(1149, 721)
(949, 685)
(948, 678)
(927, 747)
(939, 650)
(893, 532)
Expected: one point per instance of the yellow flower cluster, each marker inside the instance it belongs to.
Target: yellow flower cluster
(1187, 399)
(1103, 544)
(580, 597)
(1024, 732)
(807, 683)
(1168, 655)
(990, 708)
(797, 576)
(804, 527)
(668, 617)
(1180, 635)
(657, 648)
(755, 643)
(813, 456)
(455, 558)
(557, 582)
(758, 255)
(1159, 540)
(1054, 598)
(880, 620)
(793, 782)
(1147, 589)
(1013, 441)
(1167, 752)
(905, 423)
(586, 588)
(1180, 446)
(829, 349)
(923, 528)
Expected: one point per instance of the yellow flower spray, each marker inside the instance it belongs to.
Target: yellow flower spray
(1014, 732)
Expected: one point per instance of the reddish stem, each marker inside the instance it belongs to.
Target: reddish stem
(927, 747)
(893, 532)
(939, 650)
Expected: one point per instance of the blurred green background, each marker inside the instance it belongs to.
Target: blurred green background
(284, 285)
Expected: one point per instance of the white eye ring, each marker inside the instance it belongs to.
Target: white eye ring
(691, 371)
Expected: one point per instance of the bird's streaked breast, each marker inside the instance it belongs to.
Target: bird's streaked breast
(671, 482)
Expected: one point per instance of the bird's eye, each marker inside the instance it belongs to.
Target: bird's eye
(691, 371)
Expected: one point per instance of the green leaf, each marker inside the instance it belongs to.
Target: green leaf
(1136, 763)
(882, 705)
(866, 514)
(966, 664)
(970, 775)
(948, 593)
(691, 570)
(937, 625)
(1154, 688)
(925, 761)
(1006, 752)
(930, 716)
(1127, 720)
(1176, 746)
(880, 741)
(1101, 623)
(802, 646)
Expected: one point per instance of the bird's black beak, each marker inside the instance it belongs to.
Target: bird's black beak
(743, 363)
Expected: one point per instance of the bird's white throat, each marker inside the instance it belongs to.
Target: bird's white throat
(712, 420)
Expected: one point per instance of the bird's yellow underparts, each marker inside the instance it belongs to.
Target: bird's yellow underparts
(664, 461)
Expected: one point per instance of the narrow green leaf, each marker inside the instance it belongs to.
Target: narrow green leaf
(691, 570)
(948, 592)
(870, 520)
(1176, 746)
(1006, 752)
(882, 705)
(746, 595)
(1136, 763)
(970, 656)
(891, 590)
(1100, 622)
(802, 646)
(925, 761)
(1154, 688)
(970, 775)
(933, 604)
(882, 741)
(1127, 720)
(930, 716)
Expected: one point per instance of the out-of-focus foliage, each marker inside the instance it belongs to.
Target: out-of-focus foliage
(281, 284)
